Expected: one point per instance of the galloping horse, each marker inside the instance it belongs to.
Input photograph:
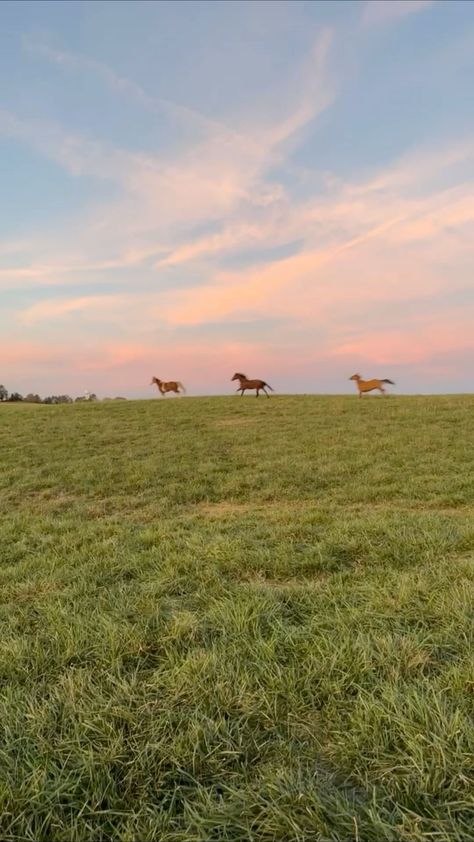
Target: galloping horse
(245, 383)
(370, 385)
(170, 386)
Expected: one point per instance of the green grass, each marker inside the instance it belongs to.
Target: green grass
(229, 619)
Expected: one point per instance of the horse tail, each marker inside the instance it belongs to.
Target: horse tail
(388, 381)
(180, 386)
(268, 386)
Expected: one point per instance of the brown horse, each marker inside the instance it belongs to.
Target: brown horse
(369, 385)
(169, 386)
(245, 383)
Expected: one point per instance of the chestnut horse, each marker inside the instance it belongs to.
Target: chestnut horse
(245, 383)
(370, 385)
(169, 386)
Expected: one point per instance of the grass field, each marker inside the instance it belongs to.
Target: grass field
(229, 619)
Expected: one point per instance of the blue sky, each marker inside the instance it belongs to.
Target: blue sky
(194, 188)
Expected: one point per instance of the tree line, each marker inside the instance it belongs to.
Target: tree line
(15, 397)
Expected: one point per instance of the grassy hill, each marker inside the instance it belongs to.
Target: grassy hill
(229, 619)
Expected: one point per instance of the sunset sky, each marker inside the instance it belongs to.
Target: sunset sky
(194, 188)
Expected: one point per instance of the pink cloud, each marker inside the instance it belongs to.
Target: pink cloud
(414, 344)
(453, 216)
(306, 284)
(32, 353)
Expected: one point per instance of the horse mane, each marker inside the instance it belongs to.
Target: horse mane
(239, 374)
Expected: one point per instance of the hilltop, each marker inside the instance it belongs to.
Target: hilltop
(230, 619)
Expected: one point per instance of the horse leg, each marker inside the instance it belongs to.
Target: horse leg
(242, 393)
(382, 390)
(266, 392)
(258, 392)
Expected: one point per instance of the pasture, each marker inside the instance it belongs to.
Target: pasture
(229, 619)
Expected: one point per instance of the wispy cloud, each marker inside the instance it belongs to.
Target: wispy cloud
(124, 87)
(379, 12)
(308, 92)
(347, 266)
(353, 254)
(57, 308)
(220, 178)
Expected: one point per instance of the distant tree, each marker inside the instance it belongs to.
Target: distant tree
(55, 399)
(87, 397)
(30, 398)
(15, 397)
(3, 394)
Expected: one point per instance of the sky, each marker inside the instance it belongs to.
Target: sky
(190, 189)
